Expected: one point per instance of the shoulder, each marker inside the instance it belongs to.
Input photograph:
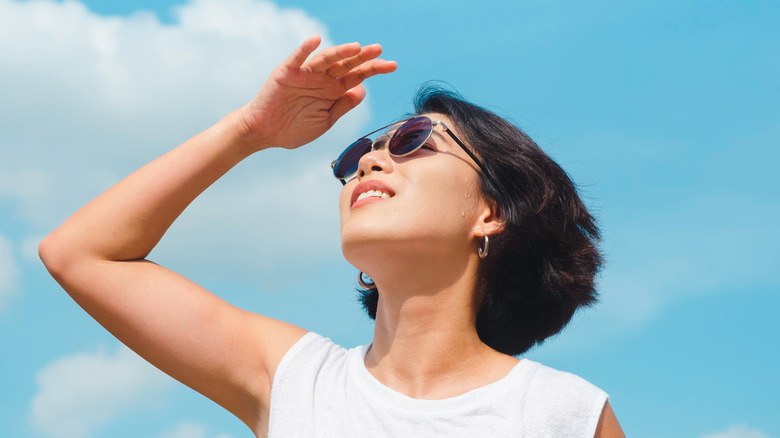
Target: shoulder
(551, 379)
(312, 373)
(561, 402)
(311, 348)
(308, 361)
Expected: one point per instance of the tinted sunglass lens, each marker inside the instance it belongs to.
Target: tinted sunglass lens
(347, 162)
(410, 136)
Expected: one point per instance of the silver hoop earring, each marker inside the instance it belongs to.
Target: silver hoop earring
(363, 284)
(484, 246)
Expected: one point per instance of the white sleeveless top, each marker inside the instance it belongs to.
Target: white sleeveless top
(323, 390)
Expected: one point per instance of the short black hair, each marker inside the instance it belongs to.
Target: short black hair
(541, 266)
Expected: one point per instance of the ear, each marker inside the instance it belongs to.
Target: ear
(488, 222)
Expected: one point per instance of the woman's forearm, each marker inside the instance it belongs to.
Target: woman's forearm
(127, 221)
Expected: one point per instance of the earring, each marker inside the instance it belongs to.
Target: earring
(484, 246)
(363, 284)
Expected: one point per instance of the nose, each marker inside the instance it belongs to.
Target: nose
(376, 160)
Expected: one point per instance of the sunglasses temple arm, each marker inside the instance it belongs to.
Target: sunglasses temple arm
(465, 149)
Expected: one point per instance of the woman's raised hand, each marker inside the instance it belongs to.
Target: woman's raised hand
(305, 95)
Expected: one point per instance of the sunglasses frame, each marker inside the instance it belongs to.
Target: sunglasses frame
(349, 177)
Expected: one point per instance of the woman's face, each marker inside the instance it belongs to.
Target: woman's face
(425, 204)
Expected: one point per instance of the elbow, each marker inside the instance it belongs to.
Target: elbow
(48, 252)
(68, 263)
(53, 254)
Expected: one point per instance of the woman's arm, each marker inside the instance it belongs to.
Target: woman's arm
(98, 254)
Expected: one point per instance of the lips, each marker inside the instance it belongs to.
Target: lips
(371, 190)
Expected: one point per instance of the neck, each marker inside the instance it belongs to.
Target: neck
(425, 338)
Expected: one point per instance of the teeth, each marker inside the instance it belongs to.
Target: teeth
(372, 193)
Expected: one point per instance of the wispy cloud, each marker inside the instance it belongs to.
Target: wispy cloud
(28, 248)
(740, 431)
(87, 99)
(190, 430)
(82, 392)
(9, 273)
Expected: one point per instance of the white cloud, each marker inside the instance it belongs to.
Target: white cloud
(86, 99)
(253, 226)
(740, 431)
(9, 273)
(190, 430)
(82, 392)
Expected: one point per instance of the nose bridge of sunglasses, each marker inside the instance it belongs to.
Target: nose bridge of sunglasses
(380, 142)
(346, 165)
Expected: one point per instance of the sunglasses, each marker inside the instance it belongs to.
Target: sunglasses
(409, 137)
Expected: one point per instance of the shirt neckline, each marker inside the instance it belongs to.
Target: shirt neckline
(391, 398)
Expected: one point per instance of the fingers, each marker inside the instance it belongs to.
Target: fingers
(349, 100)
(327, 57)
(299, 55)
(366, 54)
(355, 91)
(375, 67)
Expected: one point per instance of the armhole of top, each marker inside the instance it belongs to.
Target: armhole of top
(585, 400)
(600, 399)
(600, 413)
(290, 355)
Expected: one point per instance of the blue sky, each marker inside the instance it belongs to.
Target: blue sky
(666, 113)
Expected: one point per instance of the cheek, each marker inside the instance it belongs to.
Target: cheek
(472, 201)
(434, 203)
(449, 203)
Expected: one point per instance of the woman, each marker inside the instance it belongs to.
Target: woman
(433, 221)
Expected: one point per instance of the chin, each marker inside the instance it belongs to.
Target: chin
(361, 246)
(374, 251)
